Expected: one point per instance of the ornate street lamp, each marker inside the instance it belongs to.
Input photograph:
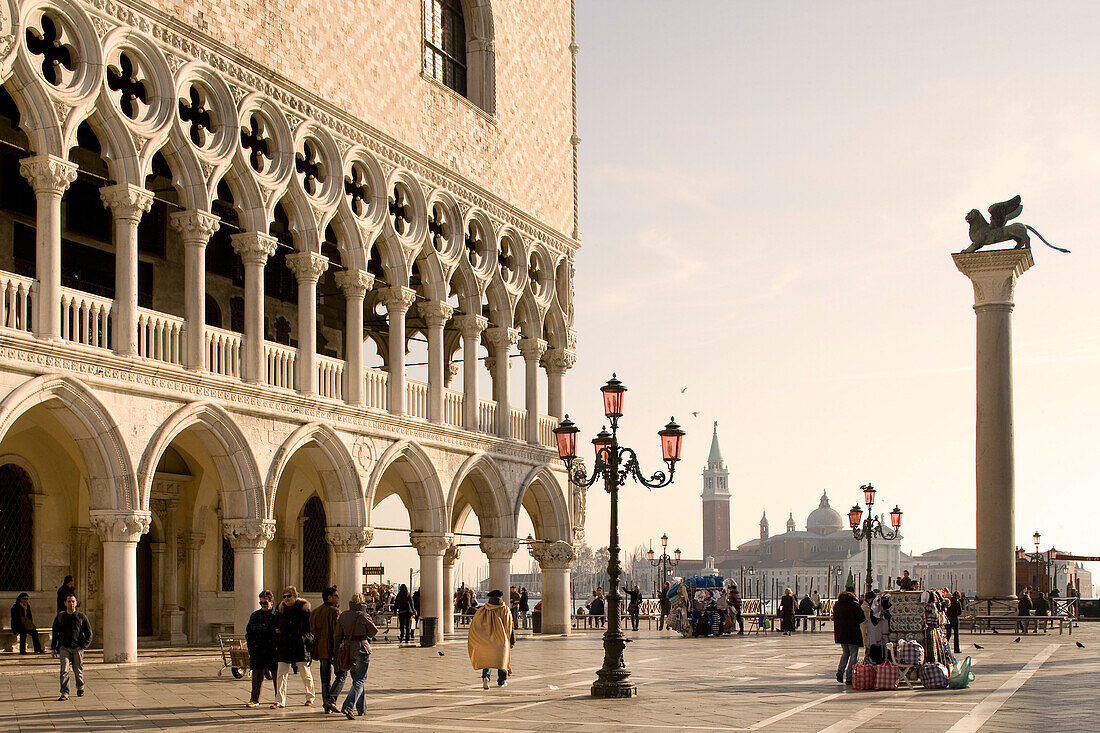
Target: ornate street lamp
(1036, 537)
(872, 526)
(615, 464)
(664, 562)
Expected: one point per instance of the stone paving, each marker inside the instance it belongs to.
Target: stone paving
(770, 683)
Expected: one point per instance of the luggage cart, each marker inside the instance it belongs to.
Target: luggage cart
(234, 655)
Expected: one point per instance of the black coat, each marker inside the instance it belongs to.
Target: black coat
(634, 602)
(21, 619)
(292, 638)
(847, 616)
(523, 602)
(806, 607)
(62, 593)
(259, 635)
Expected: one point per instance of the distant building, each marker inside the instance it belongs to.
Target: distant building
(954, 568)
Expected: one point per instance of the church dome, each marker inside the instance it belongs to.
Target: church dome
(824, 520)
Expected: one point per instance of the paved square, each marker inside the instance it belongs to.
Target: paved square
(747, 683)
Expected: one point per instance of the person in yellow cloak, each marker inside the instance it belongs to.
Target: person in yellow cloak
(491, 639)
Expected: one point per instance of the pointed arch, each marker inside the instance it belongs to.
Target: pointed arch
(343, 492)
(545, 501)
(423, 495)
(489, 497)
(111, 480)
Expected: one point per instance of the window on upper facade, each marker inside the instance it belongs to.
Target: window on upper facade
(445, 43)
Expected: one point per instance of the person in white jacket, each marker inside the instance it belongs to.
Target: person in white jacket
(875, 628)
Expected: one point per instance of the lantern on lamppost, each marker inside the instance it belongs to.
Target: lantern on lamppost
(872, 526)
(664, 562)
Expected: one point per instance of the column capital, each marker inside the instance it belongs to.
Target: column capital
(193, 540)
(48, 173)
(354, 283)
(349, 539)
(499, 548)
(126, 201)
(398, 298)
(502, 336)
(430, 544)
(471, 325)
(532, 348)
(434, 312)
(994, 273)
(195, 225)
(254, 247)
(120, 526)
(246, 534)
(559, 360)
(553, 555)
(451, 555)
(307, 266)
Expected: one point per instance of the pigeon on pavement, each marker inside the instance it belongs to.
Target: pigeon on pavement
(1080, 645)
(1016, 640)
(979, 646)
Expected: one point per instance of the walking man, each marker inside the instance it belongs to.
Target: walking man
(22, 623)
(734, 603)
(491, 639)
(847, 617)
(72, 634)
(513, 602)
(665, 604)
(322, 624)
(524, 606)
(954, 610)
(634, 604)
(67, 589)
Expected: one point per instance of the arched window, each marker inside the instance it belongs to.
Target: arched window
(445, 43)
(314, 547)
(16, 530)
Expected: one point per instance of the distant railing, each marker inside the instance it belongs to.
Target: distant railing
(487, 416)
(223, 351)
(330, 377)
(375, 392)
(160, 336)
(86, 318)
(280, 364)
(16, 305)
(546, 431)
(416, 399)
(518, 423)
(452, 407)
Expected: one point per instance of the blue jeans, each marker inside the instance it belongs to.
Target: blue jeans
(502, 676)
(358, 677)
(848, 658)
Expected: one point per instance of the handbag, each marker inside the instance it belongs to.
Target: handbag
(961, 677)
(343, 652)
(887, 676)
(863, 676)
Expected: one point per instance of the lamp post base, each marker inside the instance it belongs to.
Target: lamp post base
(614, 684)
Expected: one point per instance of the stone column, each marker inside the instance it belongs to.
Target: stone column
(435, 314)
(348, 544)
(307, 268)
(532, 350)
(397, 300)
(501, 340)
(157, 551)
(127, 203)
(254, 249)
(431, 548)
(192, 544)
(286, 558)
(471, 327)
(119, 532)
(355, 284)
(171, 615)
(557, 361)
(195, 228)
(449, 558)
(499, 551)
(555, 559)
(49, 176)
(248, 537)
(994, 275)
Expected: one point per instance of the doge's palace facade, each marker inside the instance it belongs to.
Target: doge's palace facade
(226, 228)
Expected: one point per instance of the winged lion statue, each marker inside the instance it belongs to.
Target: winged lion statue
(997, 229)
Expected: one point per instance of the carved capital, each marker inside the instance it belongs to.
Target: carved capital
(307, 266)
(195, 226)
(430, 544)
(471, 326)
(120, 526)
(434, 312)
(532, 348)
(499, 548)
(553, 555)
(398, 299)
(502, 337)
(48, 173)
(354, 283)
(126, 201)
(192, 541)
(254, 247)
(994, 273)
(349, 539)
(559, 360)
(451, 555)
(248, 534)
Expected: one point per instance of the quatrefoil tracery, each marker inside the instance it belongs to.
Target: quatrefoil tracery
(126, 79)
(311, 167)
(194, 111)
(58, 56)
(259, 147)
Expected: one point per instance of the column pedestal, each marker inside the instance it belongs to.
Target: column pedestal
(994, 274)
(119, 533)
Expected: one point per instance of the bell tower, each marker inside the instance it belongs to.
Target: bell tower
(716, 502)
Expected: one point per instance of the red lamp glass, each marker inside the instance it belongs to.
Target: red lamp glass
(613, 393)
(677, 554)
(854, 515)
(1036, 536)
(649, 554)
(664, 540)
(602, 445)
(566, 435)
(672, 439)
(895, 517)
(868, 495)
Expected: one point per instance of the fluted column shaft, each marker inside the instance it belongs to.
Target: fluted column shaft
(471, 327)
(355, 284)
(195, 228)
(49, 176)
(254, 249)
(307, 268)
(397, 301)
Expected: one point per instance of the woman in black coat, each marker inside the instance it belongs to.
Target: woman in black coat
(259, 635)
(847, 616)
(403, 607)
(786, 612)
(293, 642)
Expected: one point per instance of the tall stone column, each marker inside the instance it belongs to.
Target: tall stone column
(501, 339)
(355, 284)
(195, 228)
(254, 249)
(307, 268)
(348, 545)
(532, 350)
(449, 557)
(499, 551)
(435, 314)
(286, 558)
(119, 532)
(49, 176)
(397, 300)
(171, 615)
(192, 545)
(127, 203)
(994, 275)
(248, 537)
(471, 327)
(431, 548)
(555, 559)
(557, 361)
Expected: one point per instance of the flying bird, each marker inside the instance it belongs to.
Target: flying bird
(979, 646)
(1016, 640)
(683, 389)
(695, 414)
(1080, 645)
